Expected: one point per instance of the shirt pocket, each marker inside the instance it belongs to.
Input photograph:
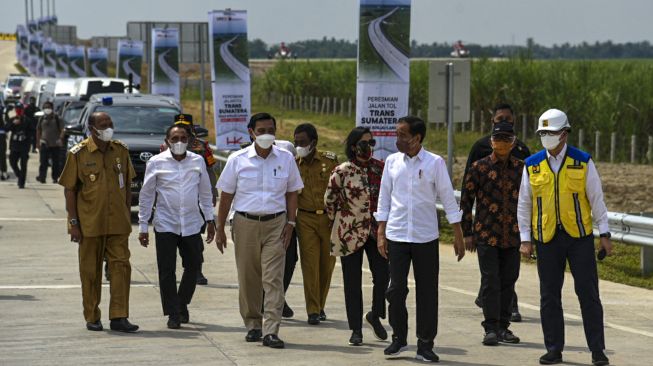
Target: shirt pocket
(539, 183)
(91, 179)
(248, 181)
(279, 182)
(576, 180)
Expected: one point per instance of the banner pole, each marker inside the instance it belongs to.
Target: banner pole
(201, 51)
(450, 76)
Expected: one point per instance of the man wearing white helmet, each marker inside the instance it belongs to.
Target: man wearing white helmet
(560, 194)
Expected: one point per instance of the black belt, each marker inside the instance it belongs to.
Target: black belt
(261, 218)
(317, 212)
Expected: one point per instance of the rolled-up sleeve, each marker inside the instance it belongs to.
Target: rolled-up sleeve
(444, 190)
(383, 208)
(595, 196)
(294, 179)
(525, 207)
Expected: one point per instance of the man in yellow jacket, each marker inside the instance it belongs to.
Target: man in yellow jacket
(560, 195)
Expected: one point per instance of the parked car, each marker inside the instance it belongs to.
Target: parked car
(11, 89)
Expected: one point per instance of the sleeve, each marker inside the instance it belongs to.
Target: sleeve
(229, 177)
(205, 193)
(333, 194)
(471, 158)
(445, 193)
(38, 125)
(146, 196)
(468, 195)
(385, 194)
(68, 178)
(595, 196)
(294, 179)
(525, 207)
(130, 167)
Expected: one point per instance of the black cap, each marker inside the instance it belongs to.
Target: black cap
(184, 119)
(503, 128)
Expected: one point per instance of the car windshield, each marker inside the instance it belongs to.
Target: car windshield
(72, 112)
(15, 82)
(140, 119)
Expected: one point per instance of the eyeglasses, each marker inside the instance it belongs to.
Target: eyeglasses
(550, 133)
(365, 143)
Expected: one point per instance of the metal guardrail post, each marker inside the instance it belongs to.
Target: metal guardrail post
(646, 260)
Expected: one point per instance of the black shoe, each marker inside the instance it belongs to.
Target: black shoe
(599, 359)
(490, 338)
(395, 348)
(427, 355)
(313, 319)
(123, 325)
(96, 327)
(3, 176)
(254, 335)
(356, 338)
(287, 311)
(184, 316)
(322, 315)
(551, 358)
(379, 331)
(515, 317)
(506, 336)
(174, 322)
(201, 280)
(479, 302)
(272, 341)
(39, 179)
(21, 186)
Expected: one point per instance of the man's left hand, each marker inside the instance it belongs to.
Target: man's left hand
(606, 244)
(286, 234)
(210, 232)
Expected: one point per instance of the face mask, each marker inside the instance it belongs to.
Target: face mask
(178, 148)
(302, 151)
(104, 135)
(364, 153)
(47, 111)
(264, 141)
(550, 142)
(403, 145)
(501, 148)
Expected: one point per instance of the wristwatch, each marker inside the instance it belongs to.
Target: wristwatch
(211, 222)
(74, 222)
(292, 223)
(606, 235)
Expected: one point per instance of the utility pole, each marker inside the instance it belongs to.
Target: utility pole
(31, 3)
(41, 8)
(48, 7)
(26, 13)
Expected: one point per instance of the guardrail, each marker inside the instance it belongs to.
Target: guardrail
(625, 228)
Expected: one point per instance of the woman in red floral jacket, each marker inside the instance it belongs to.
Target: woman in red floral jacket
(351, 199)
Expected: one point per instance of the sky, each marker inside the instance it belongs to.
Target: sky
(485, 22)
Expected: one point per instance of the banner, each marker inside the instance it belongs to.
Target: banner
(97, 62)
(76, 61)
(32, 26)
(40, 71)
(230, 77)
(383, 70)
(129, 60)
(22, 46)
(49, 58)
(165, 58)
(61, 69)
(33, 53)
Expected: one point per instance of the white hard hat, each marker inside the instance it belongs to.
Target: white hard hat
(553, 120)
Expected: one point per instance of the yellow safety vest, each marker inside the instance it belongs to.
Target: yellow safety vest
(559, 200)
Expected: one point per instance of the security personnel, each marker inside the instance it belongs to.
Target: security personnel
(559, 196)
(96, 178)
(313, 224)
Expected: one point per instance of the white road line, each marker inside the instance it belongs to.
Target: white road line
(21, 219)
(62, 287)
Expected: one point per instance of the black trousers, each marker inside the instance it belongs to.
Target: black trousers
(352, 279)
(499, 271)
(291, 261)
(18, 162)
(173, 299)
(426, 265)
(3, 152)
(552, 259)
(49, 154)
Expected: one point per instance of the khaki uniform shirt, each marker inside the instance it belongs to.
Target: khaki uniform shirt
(315, 175)
(101, 181)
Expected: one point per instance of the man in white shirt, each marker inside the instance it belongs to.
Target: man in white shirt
(560, 194)
(177, 179)
(413, 179)
(262, 182)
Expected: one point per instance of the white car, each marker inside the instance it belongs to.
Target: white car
(81, 85)
(11, 91)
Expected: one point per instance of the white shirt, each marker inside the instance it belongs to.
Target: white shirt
(260, 185)
(180, 188)
(593, 190)
(409, 190)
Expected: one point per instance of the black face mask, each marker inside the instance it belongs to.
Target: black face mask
(363, 151)
(404, 145)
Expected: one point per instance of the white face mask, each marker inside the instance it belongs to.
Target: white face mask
(550, 142)
(303, 152)
(104, 135)
(178, 148)
(47, 111)
(264, 141)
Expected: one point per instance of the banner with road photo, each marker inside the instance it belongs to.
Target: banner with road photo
(49, 58)
(39, 54)
(383, 69)
(32, 53)
(165, 57)
(22, 45)
(130, 60)
(230, 77)
(77, 61)
(97, 62)
(61, 68)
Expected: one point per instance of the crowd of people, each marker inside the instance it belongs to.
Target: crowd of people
(286, 201)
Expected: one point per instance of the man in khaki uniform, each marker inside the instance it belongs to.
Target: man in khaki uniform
(313, 224)
(97, 179)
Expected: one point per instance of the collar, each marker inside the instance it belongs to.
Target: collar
(92, 146)
(561, 155)
(317, 156)
(168, 155)
(420, 155)
(251, 153)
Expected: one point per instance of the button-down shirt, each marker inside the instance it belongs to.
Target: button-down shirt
(315, 173)
(181, 189)
(260, 185)
(409, 190)
(593, 190)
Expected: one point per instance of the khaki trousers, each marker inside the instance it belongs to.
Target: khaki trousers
(92, 251)
(314, 236)
(260, 261)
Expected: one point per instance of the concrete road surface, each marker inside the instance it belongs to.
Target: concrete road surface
(7, 59)
(42, 321)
